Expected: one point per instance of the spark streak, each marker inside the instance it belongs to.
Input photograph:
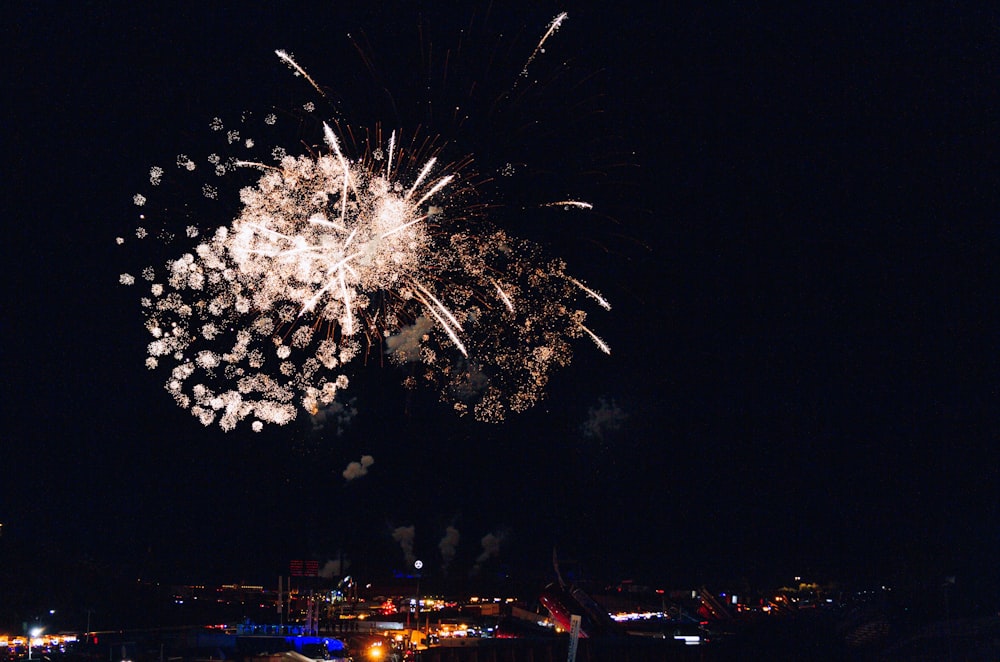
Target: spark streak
(392, 147)
(331, 140)
(503, 296)
(594, 295)
(447, 313)
(287, 59)
(597, 341)
(579, 204)
(345, 294)
(554, 26)
(420, 178)
(434, 189)
(444, 321)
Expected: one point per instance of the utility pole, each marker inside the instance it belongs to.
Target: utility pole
(281, 614)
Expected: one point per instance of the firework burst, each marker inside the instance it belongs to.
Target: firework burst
(332, 258)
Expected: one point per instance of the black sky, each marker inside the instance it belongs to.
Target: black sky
(802, 262)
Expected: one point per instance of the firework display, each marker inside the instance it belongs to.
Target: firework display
(335, 259)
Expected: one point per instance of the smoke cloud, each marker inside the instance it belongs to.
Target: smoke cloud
(404, 347)
(334, 568)
(606, 417)
(448, 545)
(336, 415)
(491, 549)
(358, 469)
(404, 536)
(470, 381)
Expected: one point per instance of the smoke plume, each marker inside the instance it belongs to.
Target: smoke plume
(491, 549)
(606, 417)
(448, 545)
(334, 568)
(404, 536)
(404, 347)
(358, 469)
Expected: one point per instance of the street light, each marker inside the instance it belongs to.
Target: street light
(418, 564)
(33, 633)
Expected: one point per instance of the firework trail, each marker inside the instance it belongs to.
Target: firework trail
(552, 28)
(294, 66)
(334, 258)
(566, 204)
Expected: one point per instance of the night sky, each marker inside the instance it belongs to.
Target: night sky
(797, 231)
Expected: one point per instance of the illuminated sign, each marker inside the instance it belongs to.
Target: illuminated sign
(300, 568)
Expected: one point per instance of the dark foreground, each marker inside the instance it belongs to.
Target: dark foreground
(812, 637)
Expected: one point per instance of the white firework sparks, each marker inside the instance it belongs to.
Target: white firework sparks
(552, 28)
(334, 260)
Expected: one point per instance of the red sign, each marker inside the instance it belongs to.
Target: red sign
(300, 568)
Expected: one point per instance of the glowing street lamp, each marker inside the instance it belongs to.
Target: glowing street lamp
(418, 564)
(33, 633)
